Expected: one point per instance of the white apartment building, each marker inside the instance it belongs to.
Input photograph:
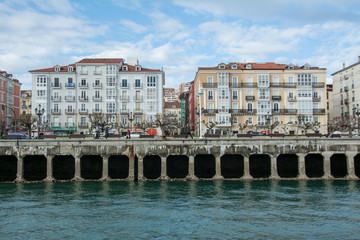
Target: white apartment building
(346, 90)
(101, 85)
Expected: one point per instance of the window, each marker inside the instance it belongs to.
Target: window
(275, 81)
(70, 69)
(124, 121)
(235, 120)
(124, 68)
(249, 107)
(83, 120)
(57, 69)
(138, 68)
(304, 93)
(276, 107)
(83, 95)
(151, 94)
(250, 120)
(70, 80)
(56, 107)
(352, 83)
(291, 120)
(97, 82)
(210, 106)
(316, 95)
(234, 66)
(41, 81)
(124, 83)
(211, 120)
(276, 119)
(110, 94)
(248, 66)
(291, 95)
(291, 81)
(110, 81)
(223, 79)
(235, 95)
(56, 82)
(110, 107)
(110, 69)
(304, 79)
(97, 94)
(82, 108)
(151, 81)
(316, 119)
(137, 83)
(210, 95)
(124, 106)
(235, 106)
(221, 66)
(210, 81)
(97, 107)
(83, 82)
(263, 80)
(41, 94)
(249, 81)
(24, 103)
(234, 81)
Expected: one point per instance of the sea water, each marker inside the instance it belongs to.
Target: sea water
(181, 210)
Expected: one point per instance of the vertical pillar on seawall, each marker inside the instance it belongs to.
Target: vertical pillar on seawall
(105, 168)
(327, 165)
(191, 171)
(274, 171)
(77, 169)
(20, 170)
(141, 168)
(49, 169)
(247, 175)
(301, 166)
(164, 175)
(217, 168)
(351, 165)
(131, 176)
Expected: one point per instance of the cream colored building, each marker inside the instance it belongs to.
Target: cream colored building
(330, 104)
(25, 101)
(236, 93)
(346, 90)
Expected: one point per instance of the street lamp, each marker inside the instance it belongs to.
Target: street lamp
(356, 111)
(199, 96)
(39, 112)
(268, 120)
(131, 119)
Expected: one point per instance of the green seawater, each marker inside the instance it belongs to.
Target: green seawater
(181, 210)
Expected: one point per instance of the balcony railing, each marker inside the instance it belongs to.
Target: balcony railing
(137, 85)
(83, 111)
(69, 124)
(55, 125)
(316, 99)
(124, 98)
(292, 99)
(97, 111)
(83, 98)
(70, 85)
(346, 88)
(97, 98)
(69, 98)
(69, 111)
(138, 98)
(124, 85)
(209, 85)
(346, 101)
(58, 85)
(243, 111)
(56, 98)
(83, 125)
(318, 85)
(83, 72)
(284, 111)
(283, 85)
(97, 72)
(319, 111)
(97, 85)
(276, 98)
(81, 85)
(250, 98)
(138, 111)
(55, 111)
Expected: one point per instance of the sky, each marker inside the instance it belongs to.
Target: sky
(178, 35)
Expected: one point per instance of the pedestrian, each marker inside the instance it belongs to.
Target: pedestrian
(97, 133)
(106, 132)
(128, 134)
(94, 132)
(187, 131)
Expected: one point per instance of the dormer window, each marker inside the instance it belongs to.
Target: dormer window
(57, 69)
(306, 66)
(138, 68)
(291, 66)
(234, 66)
(222, 66)
(248, 66)
(124, 68)
(70, 69)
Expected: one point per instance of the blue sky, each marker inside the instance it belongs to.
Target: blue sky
(178, 35)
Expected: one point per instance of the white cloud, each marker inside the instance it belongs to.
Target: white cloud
(132, 26)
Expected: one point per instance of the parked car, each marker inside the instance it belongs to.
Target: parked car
(137, 134)
(255, 133)
(19, 134)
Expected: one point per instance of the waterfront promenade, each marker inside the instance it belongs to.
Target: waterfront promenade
(179, 159)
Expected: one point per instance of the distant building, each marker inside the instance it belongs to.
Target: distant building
(172, 112)
(171, 95)
(25, 101)
(346, 90)
(97, 85)
(329, 104)
(259, 94)
(9, 99)
(185, 87)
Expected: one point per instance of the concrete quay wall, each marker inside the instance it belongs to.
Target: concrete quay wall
(179, 159)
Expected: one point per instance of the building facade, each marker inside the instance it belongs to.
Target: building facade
(271, 97)
(184, 87)
(172, 112)
(346, 90)
(69, 94)
(25, 101)
(171, 95)
(329, 104)
(9, 100)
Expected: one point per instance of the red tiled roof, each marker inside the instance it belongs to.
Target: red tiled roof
(101, 60)
(52, 69)
(131, 68)
(254, 65)
(171, 104)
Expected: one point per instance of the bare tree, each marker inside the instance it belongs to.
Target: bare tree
(2, 127)
(209, 125)
(26, 122)
(285, 128)
(101, 120)
(242, 126)
(344, 124)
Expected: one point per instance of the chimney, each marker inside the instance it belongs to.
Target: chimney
(343, 65)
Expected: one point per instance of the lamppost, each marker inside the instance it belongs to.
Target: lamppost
(356, 111)
(199, 96)
(131, 119)
(39, 112)
(268, 121)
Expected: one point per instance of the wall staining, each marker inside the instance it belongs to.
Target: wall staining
(152, 166)
(34, 167)
(8, 168)
(338, 165)
(357, 165)
(260, 166)
(177, 166)
(91, 167)
(287, 165)
(232, 165)
(314, 165)
(118, 166)
(63, 167)
(204, 165)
